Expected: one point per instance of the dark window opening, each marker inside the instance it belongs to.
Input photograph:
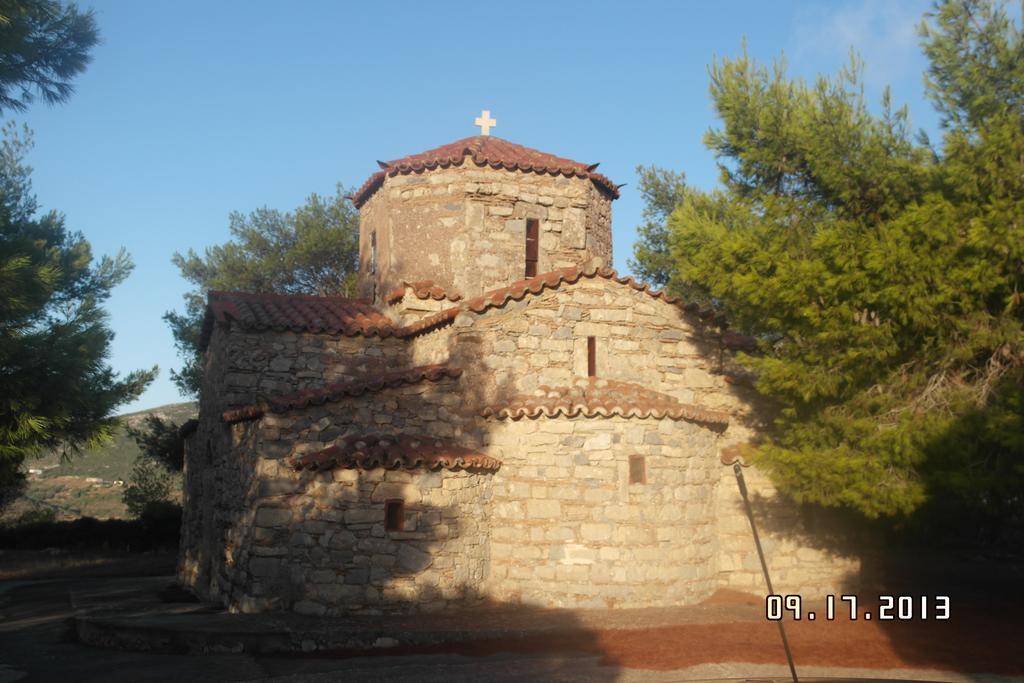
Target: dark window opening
(532, 245)
(373, 252)
(591, 357)
(637, 470)
(394, 514)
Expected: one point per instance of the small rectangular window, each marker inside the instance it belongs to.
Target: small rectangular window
(373, 252)
(637, 470)
(532, 245)
(394, 514)
(591, 357)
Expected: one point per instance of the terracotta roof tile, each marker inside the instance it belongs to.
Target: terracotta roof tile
(422, 289)
(552, 280)
(429, 323)
(517, 291)
(295, 312)
(232, 415)
(402, 451)
(335, 392)
(485, 150)
(597, 397)
(337, 315)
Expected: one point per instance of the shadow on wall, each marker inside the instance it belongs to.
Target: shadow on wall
(985, 598)
(374, 533)
(963, 544)
(321, 542)
(326, 550)
(418, 588)
(829, 530)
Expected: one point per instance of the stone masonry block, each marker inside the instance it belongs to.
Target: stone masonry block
(413, 559)
(265, 567)
(271, 517)
(277, 487)
(543, 509)
(410, 493)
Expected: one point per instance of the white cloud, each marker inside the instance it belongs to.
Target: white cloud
(883, 33)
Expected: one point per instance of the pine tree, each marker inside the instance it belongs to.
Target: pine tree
(882, 276)
(313, 250)
(43, 45)
(58, 390)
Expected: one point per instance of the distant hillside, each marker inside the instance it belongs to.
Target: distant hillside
(84, 485)
(113, 461)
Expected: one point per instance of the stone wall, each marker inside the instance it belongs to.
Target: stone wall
(542, 340)
(269, 363)
(239, 368)
(315, 542)
(799, 561)
(559, 524)
(464, 227)
(569, 530)
(567, 527)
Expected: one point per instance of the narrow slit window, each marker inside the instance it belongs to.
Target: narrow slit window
(394, 514)
(637, 470)
(532, 245)
(373, 252)
(591, 357)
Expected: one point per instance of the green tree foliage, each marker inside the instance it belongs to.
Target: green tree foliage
(148, 484)
(313, 250)
(883, 277)
(58, 390)
(662, 191)
(43, 45)
(161, 441)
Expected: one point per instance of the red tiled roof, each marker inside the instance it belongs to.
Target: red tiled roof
(402, 451)
(421, 289)
(517, 291)
(597, 397)
(429, 323)
(552, 280)
(338, 315)
(340, 390)
(296, 312)
(485, 150)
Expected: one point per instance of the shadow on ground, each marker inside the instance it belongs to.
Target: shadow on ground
(38, 638)
(985, 593)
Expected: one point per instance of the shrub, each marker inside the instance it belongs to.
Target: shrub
(150, 482)
(158, 527)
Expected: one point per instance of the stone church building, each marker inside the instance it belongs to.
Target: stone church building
(499, 417)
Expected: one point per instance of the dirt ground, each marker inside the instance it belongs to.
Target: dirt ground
(69, 564)
(978, 638)
(983, 637)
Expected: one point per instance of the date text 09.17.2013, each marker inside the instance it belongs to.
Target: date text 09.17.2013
(886, 608)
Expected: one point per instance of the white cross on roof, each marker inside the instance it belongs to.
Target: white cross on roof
(485, 122)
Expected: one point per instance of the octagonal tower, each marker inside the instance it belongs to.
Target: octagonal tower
(478, 214)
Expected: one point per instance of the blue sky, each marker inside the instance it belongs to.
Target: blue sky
(191, 110)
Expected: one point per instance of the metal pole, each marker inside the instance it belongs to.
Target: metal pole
(764, 565)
